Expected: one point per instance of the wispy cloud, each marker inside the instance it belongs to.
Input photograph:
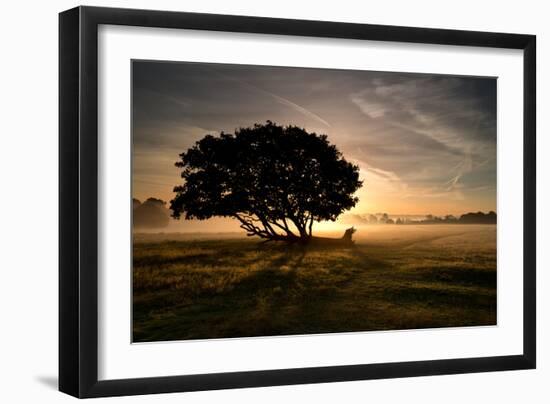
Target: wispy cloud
(415, 137)
(298, 108)
(279, 99)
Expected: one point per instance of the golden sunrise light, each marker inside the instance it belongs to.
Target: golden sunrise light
(310, 201)
(424, 144)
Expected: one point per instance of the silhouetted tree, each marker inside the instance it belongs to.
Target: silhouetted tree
(479, 218)
(450, 219)
(276, 181)
(150, 214)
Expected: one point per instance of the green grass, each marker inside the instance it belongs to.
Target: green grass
(425, 278)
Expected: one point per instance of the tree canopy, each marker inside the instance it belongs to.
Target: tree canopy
(275, 180)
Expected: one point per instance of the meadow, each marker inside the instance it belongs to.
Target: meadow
(199, 286)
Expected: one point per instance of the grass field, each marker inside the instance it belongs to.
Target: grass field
(395, 277)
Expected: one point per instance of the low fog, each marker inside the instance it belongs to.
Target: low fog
(151, 214)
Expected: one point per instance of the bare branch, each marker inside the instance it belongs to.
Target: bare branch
(284, 227)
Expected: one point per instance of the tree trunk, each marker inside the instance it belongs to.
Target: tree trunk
(258, 225)
(345, 240)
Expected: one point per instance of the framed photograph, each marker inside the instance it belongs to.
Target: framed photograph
(251, 201)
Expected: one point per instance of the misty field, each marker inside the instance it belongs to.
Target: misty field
(395, 277)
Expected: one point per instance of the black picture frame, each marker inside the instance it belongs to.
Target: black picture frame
(78, 196)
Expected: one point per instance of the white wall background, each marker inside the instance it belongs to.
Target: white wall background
(28, 206)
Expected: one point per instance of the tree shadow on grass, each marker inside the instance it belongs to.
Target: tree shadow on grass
(456, 275)
(368, 262)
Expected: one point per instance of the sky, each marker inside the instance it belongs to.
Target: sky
(425, 144)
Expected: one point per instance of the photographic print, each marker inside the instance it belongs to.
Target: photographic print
(274, 201)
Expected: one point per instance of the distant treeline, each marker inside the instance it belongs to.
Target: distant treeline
(467, 218)
(151, 214)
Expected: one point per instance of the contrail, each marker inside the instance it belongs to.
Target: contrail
(297, 107)
(279, 99)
